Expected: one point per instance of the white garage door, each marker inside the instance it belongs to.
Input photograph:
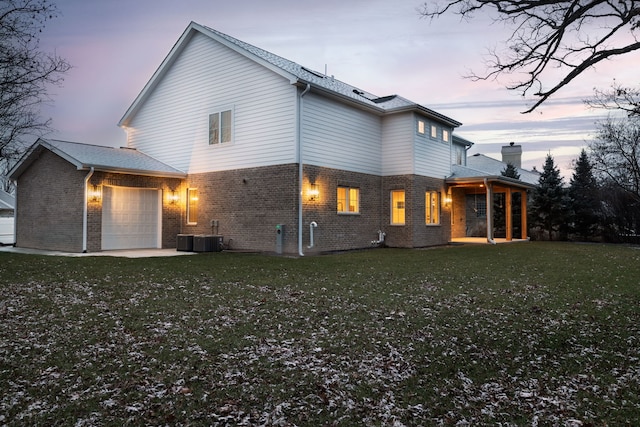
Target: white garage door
(130, 218)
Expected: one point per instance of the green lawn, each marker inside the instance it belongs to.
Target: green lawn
(516, 334)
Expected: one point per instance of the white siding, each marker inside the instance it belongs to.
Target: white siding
(340, 137)
(397, 146)
(172, 124)
(433, 156)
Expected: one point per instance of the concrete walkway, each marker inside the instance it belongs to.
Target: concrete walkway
(131, 253)
(483, 240)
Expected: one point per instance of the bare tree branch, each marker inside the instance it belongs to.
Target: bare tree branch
(618, 98)
(25, 73)
(571, 36)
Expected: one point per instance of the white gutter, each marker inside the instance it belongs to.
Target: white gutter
(489, 212)
(85, 211)
(300, 171)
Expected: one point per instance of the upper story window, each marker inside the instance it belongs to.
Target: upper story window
(445, 135)
(459, 154)
(348, 200)
(432, 211)
(422, 125)
(434, 131)
(220, 127)
(397, 207)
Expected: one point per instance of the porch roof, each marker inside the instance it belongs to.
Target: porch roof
(100, 158)
(463, 175)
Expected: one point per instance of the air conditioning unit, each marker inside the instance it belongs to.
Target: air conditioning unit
(184, 242)
(207, 243)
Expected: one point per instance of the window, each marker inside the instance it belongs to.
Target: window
(432, 212)
(421, 127)
(445, 135)
(192, 205)
(480, 207)
(348, 200)
(220, 127)
(434, 131)
(459, 152)
(397, 207)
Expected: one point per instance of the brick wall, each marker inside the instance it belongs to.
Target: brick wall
(415, 233)
(248, 204)
(432, 234)
(49, 201)
(339, 231)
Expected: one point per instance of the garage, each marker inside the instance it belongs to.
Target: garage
(131, 218)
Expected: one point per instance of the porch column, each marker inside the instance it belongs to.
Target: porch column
(508, 215)
(523, 215)
(489, 210)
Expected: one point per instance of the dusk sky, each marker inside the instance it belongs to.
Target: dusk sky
(381, 46)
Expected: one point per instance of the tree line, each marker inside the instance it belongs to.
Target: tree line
(602, 199)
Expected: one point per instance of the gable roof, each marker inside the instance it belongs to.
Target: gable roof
(7, 201)
(100, 158)
(295, 73)
(480, 166)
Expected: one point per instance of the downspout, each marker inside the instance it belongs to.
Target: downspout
(300, 170)
(489, 212)
(85, 211)
(15, 215)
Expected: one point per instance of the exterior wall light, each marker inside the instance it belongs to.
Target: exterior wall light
(173, 197)
(95, 193)
(314, 193)
(447, 199)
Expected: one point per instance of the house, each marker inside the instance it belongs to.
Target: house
(231, 140)
(7, 206)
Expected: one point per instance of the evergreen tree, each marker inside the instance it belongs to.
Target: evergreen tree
(548, 209)
(511, 171)
(584, 203)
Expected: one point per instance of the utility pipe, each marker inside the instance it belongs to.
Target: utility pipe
(312, 225)
(380, 240)
(300, 170)
(85, 211)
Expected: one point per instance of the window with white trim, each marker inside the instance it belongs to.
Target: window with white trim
(192, 205)
(348, 200)
(434, 131)
(432, 211)
(421, 127)
(220, 127)
(397, 207)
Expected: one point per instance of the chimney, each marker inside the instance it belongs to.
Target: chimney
(512, 154)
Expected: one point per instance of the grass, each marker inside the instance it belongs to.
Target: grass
(520, 334)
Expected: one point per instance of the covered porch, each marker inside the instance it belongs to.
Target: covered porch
(489, 209)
